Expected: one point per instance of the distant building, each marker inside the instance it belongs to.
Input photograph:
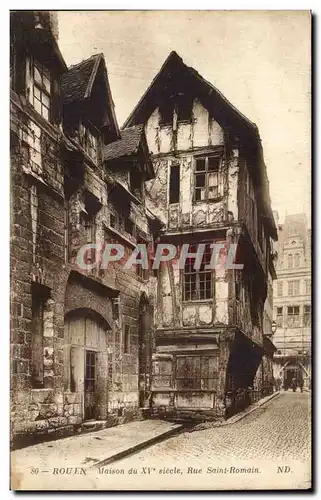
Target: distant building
(292, 301)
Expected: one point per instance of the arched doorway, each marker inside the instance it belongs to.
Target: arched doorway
(86, 361)
(144, 351)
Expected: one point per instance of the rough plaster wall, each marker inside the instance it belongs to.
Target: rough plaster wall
(166, 138)
(233, 180)
(221, 296)
(216, 133)
(185, 188)
(156, 190)
(166, 297)
(200, 125)
(151, 131)
(184, 136)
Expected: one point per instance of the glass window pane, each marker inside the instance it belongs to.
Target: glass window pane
(37, 93)
(37, 75)
(46, 84)
(212, 193)
(45, 100)
(213, 163)
(45, 72)
(45, 112)
(213, 179)
(37, 105)
(200, 180)
(200, 165)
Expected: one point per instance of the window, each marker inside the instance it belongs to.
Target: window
(113, 221)
(140, 271)
(196, 372)
(184, 104)
(91, 145)
(121, 223)
(197, 284)
(90, 378)
(174, 184)
(280, 288)
(207, 178)
(290, 261)
(89, 223)
(308, 287)
(116, 308)
(307, 315)
(294, 288)
(127, 339)
(297, 260)
(136, 183)
(279, 316)
(129, 227)
(166, 112)
(293, 316)
(41, 90)
(40, 295)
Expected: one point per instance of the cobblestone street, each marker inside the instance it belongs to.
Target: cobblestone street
(278, 430)
(277, 434)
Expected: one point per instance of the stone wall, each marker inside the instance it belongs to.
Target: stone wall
(38, 258)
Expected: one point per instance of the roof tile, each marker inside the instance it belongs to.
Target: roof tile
(127, 145)
(75, 82)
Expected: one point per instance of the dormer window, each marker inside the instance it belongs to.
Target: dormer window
(41, 90)
(136, 183)
(91, 145)
(89, 141)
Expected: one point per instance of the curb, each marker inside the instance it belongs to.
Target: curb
(239, 416)
(137, 447)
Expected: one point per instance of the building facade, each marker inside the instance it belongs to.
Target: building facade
(210, 186)
(80, 335)
(292, 301)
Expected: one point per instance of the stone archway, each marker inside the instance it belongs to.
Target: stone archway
(86, 361)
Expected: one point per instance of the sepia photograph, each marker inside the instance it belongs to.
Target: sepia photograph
(160, 250)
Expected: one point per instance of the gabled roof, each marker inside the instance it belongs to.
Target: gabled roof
(132, 140)
(77, 84)
(175, 64)
(175, 72)
(127, 145)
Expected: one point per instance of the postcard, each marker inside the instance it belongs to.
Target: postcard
(160, 250)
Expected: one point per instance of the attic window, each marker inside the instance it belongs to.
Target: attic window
(166, 112)
(184, 107)
(136, 183)
(41, 90)
(90, 143)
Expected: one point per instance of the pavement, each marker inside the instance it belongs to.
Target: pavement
(85, 451)
(265, 449)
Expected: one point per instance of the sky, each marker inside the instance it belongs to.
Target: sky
(260, 61)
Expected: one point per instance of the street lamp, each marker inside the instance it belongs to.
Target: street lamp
(273, 327)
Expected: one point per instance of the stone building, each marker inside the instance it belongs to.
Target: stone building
(210, 186)
(292, 301)
(80, 337)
